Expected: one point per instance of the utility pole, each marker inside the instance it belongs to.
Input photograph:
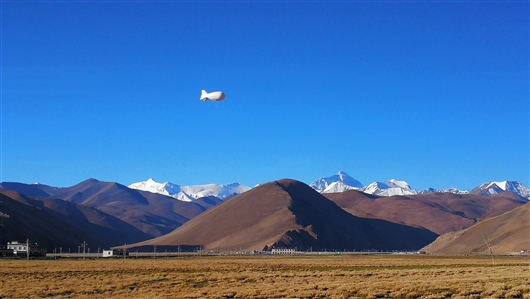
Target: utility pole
(489, 247)
(27, 250)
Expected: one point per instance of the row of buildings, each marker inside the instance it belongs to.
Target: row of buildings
(18, 249)
(21, 250)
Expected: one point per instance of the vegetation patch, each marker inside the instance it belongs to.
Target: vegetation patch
(269, 277)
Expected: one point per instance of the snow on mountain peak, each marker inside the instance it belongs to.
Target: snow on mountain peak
(503, 186)
(342, 182)
(154, 187)
(337, 187)
(388, 188)
(339, 182)
(219, 191)
(190, 193)
(321, 184)
(393, 183)
(448, 190)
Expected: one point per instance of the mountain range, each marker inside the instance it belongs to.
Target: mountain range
(151, 214)
(343, 182)
(438, 212)
(55, 223)
(288, 213)
(282, 213)
(336, 183)
(190, 193)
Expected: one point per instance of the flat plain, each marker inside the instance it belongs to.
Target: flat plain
(315, 276)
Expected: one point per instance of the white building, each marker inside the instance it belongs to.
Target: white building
(107, 253)
(21, 249)
(17, 247)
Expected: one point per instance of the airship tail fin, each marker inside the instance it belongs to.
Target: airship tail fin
(204, 95)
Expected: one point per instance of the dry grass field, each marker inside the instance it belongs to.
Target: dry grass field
(352, 276)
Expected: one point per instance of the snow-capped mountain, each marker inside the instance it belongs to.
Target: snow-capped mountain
(448, 190)
(150, 185)
(321, 184)
(499, 187)
(337, 183)
(219, 191)
(190, 193)
(397, 184)
(342, 182)
(389, 188)
(337, 187)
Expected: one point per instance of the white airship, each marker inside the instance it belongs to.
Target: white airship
(212, 96)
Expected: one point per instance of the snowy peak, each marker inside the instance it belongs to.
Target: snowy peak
(502, 185)
(499, 187)
(448, 190)
(219, 191)
(341, 182)
(190, 193)
(337, 187)
(152, 186)
(337, 183)
(347, 181)
(389, 188)
(397, 184)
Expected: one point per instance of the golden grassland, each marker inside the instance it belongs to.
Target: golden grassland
(343, 276)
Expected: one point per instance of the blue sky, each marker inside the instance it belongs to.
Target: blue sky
(433, 93)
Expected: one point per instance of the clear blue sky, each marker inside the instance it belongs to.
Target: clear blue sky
(433, 93)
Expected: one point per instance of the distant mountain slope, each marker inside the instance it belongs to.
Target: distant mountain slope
(153, 214)
(288, 213)
(20, 221)
(101, 227)
(28, 189)
(438, 212)
(506, 234)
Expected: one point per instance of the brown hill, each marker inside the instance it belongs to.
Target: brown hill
(288, 213)
(438, 212)
(152, 214)
(19, 220)
(101, 227)
(507, 233)
(29, 189)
